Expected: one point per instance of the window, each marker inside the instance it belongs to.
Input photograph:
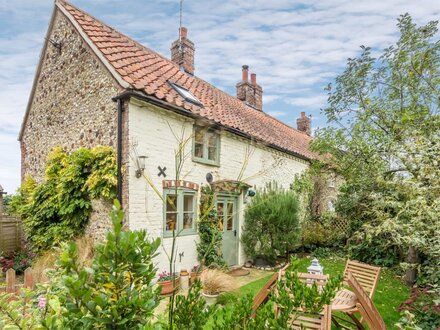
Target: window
(186, 94)
(180, 212)
(206, 146)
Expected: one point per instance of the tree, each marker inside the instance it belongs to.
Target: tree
(385, 144)
(271, 226)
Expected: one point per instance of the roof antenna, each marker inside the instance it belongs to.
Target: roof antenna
(180, 24)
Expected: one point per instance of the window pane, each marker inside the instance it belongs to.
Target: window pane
(230, 216)
(171, 203)
(212, 153)
(171, 221)
(199, 134)
(212, 139)
(188, 220)
(188, 203)
(220, 215)
(198, 150)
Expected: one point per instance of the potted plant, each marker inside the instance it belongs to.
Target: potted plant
(213, 282)
(168, 282)
(195, 273)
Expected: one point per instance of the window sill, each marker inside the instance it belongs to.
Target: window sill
(192, 232)
(205, 162)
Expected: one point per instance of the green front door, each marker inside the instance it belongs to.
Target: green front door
(227, 213)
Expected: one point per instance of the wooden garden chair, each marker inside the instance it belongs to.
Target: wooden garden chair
(302, 320)
(365, 305)
(345, 300)
(314, 321)
(366, 275)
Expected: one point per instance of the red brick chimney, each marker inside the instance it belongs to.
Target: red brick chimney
(304, 124)
(250, 92)
(182, 51)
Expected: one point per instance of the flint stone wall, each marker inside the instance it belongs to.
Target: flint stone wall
(72, 107)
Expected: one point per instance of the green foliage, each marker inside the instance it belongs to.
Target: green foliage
(271, 225)
(422, 308)
(58, 209)
(209, 248)
(386, 148)
(191, 312)
(116, 292)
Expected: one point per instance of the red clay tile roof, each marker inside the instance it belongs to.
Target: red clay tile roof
(149, 72)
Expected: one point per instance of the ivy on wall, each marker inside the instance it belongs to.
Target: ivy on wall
(58, 208)
(209, 248)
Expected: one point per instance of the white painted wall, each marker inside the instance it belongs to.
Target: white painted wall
(151, 134)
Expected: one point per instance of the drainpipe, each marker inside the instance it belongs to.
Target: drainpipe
(119, 142)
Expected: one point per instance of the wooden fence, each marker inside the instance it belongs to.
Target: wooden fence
(11, 282)
(10, 233)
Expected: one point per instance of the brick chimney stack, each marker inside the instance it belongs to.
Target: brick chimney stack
(304, 124)
(250, 92)
(182, 51)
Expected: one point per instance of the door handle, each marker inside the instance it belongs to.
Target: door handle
(235, 232)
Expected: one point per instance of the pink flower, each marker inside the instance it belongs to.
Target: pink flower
(42, 302)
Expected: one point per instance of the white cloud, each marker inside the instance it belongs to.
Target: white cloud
(295, 47)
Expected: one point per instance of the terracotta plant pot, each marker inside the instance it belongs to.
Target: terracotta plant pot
(195, 276)
(211, 299)
(167, 286)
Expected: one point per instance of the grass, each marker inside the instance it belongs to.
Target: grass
(389, 294)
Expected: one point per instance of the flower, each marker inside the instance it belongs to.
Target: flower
(42, 302)
(166, 276)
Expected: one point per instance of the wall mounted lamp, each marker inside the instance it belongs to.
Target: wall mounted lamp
(140, 165)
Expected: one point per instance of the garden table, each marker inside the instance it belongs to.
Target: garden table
(344, 300)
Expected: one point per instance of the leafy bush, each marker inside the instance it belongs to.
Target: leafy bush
(19, 261)
(191, 311)
(424, 307)
(271, 226)
(115, 292)
(209, 247)
(58, 209)
(314, 234)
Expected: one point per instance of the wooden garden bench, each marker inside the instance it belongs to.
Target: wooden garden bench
(365, 305)
(263, 295)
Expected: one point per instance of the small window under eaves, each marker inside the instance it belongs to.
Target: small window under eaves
(186, 94)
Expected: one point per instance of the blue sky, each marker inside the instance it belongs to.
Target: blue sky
(295, 47)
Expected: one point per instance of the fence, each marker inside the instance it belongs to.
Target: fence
(11, 281)
(10, 233)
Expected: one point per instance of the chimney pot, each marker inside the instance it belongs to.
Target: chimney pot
(254, 79)
(245, 72)
(304, 124)
(183, 32)
(182, 51)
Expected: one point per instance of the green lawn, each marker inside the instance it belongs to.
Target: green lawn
(389, 294)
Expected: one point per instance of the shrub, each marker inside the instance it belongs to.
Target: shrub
(57, 209)
(215, 281)
(271, 226)
(19, 261)
(209, 248)
(424, 308)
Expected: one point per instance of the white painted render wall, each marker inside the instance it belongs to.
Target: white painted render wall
(150, 134)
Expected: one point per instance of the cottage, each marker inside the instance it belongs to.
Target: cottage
(96, 86)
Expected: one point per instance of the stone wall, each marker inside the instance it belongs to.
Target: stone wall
(72, 107)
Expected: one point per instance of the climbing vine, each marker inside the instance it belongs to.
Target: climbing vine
(58, 208)
(209, 249)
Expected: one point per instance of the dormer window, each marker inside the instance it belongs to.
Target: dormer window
(186, 94)
(206, 146)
